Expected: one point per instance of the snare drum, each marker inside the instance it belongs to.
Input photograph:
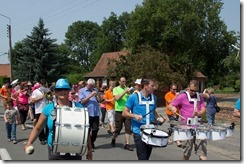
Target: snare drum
(182, 132)
(71, 130)
(217, 133)
(202, 133)
(229, 129)
(155, 137)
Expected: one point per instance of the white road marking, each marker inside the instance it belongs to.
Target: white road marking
(4, 154)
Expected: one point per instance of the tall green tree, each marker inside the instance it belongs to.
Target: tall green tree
(38, 57)
(145, 63)
(190, 32)
(80, 40)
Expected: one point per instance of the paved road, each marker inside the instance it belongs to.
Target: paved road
(227, 149)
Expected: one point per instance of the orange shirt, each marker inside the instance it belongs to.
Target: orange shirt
(4, 92)
(108, 94)
(169, 96)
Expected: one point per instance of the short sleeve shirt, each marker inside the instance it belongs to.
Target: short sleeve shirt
(134, 106)
(120, 104)
(238, 104)
(187, 107)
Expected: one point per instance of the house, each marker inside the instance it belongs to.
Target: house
(5, 70)
(100, 72)
(197, 75)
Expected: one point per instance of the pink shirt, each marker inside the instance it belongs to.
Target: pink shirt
(22, 98)
(14, 102)
(186, 107)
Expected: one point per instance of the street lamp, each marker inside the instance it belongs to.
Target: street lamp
(30, 72)
(5, 53)
(10, 45)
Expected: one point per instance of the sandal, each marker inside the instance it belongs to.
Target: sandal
(203, 158)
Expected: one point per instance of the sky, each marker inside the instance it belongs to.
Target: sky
(59, 14)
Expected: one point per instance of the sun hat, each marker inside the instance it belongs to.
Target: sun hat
(138, 81)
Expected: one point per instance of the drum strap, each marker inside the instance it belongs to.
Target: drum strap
(54, 120)
(147, 103)
(192, 99)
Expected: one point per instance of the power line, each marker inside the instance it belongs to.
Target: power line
(53, 19)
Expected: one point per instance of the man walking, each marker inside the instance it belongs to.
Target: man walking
(87, 97)
(121, 94)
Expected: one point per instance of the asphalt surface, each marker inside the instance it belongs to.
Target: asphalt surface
(228, 149)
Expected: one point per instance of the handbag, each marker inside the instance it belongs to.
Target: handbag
(217, 108)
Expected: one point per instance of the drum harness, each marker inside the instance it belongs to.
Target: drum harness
(194, 100)
(148, 111)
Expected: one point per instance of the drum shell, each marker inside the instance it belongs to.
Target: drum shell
(71, 131)
(229, 131)
(182, 133)
(203, 133)
(155, 137)
(217, 133)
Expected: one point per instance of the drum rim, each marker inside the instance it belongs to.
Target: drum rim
(156, 135)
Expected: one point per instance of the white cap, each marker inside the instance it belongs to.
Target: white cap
(138, 81)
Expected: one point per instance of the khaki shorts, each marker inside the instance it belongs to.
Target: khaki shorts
(201, 147)
(110, 116)
(119, 121)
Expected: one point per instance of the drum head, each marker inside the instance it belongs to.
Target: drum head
(218, 128)
(183, 127)
(223, 125)
(203, 128)
(155, 133)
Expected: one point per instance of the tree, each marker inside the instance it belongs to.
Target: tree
(80, 40)
(145, 63)
(111, 36)
(38, 57)
(190, 32)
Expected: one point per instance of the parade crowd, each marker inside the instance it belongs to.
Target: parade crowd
(132, 109)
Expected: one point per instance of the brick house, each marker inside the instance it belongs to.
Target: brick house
(99, 73)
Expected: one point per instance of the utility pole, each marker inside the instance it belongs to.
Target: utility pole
(10, 45)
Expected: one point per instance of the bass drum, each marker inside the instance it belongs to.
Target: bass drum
(71, 130)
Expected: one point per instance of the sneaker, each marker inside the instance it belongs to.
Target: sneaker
(23, 127)
(113, 143)
(9, 140)
(127, 147)
(109, 132)
(93, 147)
(15, 142)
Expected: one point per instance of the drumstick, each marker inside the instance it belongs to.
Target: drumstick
(180, 116)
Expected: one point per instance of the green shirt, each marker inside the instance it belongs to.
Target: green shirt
(120, 104)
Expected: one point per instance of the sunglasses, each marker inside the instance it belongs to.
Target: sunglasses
(193, 90)
(174, 89)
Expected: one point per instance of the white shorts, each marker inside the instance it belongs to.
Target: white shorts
(110, 116)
